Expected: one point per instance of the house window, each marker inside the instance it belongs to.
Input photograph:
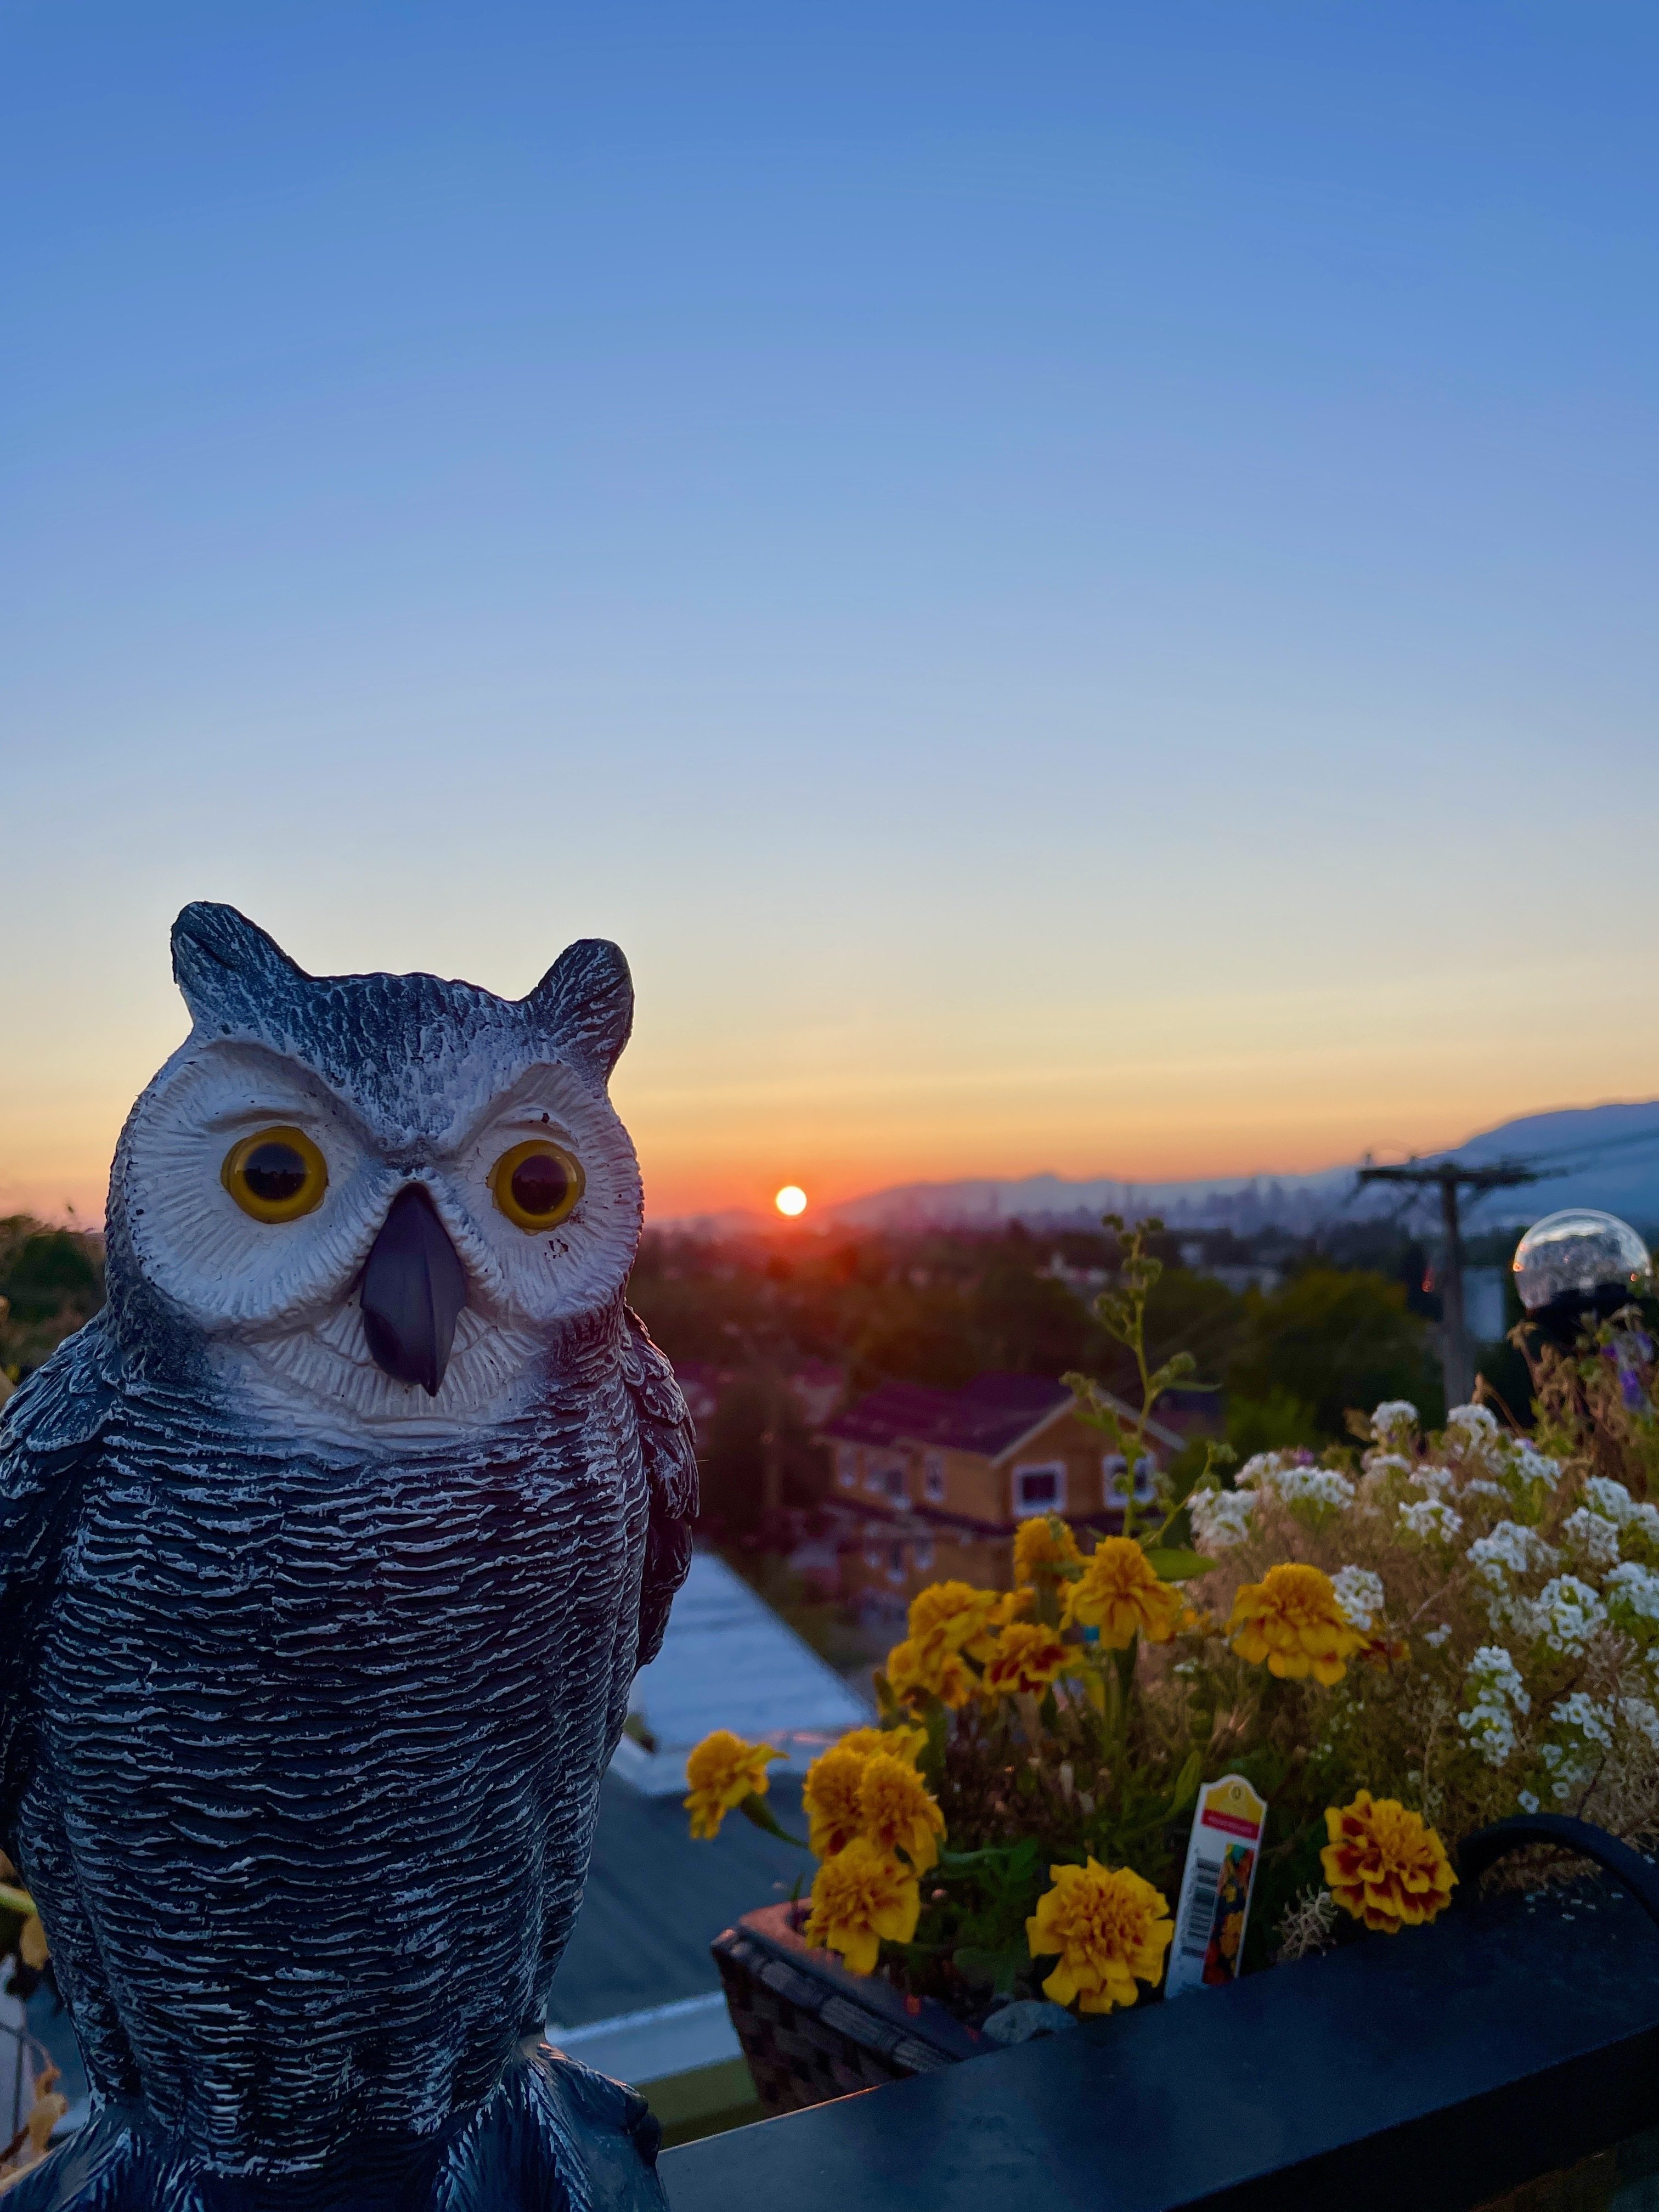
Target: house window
(921, 1558)
(933, 1478)
(1112, 1466)
(886, 1481)
(895, 1563)
(847, 1466)
(1039, 1490)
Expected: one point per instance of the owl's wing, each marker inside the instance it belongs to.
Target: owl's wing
(669, 1446)
(50, 1433)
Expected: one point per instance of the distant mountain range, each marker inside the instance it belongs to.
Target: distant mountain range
(1605, 1156)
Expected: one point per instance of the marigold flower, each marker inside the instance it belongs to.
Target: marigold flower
(1293, 1620)
(1028, 1658)
(905, 1743)
(1045, 1544)
(929, 1670)
(1012, 1605)
(861, 1897)
(896, 1814)
(1111, 1930)
(830, 1797)
(1384, 1865)
(723, 1770)
(1118, 1593)
(954, 1617)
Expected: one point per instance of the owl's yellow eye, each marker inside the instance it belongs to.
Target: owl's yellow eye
(537, 1185)
(277, 1175)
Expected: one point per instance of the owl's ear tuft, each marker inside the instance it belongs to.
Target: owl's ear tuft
(225, 965)
(585, 1002)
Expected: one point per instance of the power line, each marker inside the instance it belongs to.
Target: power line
(1452, 1178)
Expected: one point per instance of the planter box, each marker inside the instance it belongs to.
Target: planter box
(811, 2030)
(1437, 2070)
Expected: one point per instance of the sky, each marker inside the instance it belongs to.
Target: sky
(1074, 584)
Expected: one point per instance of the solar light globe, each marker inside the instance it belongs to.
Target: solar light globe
(1580, 1264)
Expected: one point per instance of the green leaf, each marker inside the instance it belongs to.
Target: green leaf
(755, 1807)
(1187, 1783)
(1178, 1566)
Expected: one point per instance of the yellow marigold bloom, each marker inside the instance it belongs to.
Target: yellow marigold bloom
(1293, 1620)
(830, 1795)
(1110, 1929)
(1047, 1542)
(905, 1743)
(927, 1670)
(1118, 1593)
(954, 1617)
(723, 1770)
(1385, 1865)
(1027, 1657)
(1012, 1605)
(862, 1895)
(896, 1814)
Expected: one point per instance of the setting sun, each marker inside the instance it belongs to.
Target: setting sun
(791, 1200)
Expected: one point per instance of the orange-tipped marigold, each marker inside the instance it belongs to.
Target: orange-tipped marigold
(1027, 1659)
(1292, 1619)
(954, 1617)
(861, 1897)
(1111, 1930)
(723, 1770)
(905, 1743)
(1118, 1593)
(830, 1797)
(896, 1814)
(1385, 1865)
(916, 1670)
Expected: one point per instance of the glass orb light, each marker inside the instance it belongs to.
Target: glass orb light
(1578, 1263)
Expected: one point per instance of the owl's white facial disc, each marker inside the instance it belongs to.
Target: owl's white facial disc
(278, 1301)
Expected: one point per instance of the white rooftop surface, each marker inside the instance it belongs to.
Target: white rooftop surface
(729, 1661)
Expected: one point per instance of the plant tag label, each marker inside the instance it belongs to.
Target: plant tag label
(1215, 1886)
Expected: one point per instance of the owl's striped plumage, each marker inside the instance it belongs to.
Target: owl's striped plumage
(323, 1668)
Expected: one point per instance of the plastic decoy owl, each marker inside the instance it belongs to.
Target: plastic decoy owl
(328, 1552)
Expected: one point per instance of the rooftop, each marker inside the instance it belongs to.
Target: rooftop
(988, 1415)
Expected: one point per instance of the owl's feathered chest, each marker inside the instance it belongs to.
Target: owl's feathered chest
(207, 1545)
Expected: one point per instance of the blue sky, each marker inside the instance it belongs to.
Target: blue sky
(1074, 584)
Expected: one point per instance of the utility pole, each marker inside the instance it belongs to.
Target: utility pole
(1451, 1178)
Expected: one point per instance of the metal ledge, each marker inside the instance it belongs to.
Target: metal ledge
(1436, 2069)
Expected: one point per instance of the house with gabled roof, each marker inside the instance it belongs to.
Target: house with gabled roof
(930, 1486)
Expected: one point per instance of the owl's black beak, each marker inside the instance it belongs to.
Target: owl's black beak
(412, 1292)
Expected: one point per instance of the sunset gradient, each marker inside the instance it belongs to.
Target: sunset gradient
(1074, 585)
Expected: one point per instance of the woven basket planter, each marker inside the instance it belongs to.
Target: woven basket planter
(811, 2030)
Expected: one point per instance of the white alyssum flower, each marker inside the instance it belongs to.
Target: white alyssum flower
(1388, 1462)
(1582, 1713)
(1432, 1517)
(1593, 1536)
(1526, 1801)
(1509, 1549)
(1609, 1499)
(1360, 1594)
(1221, 1518)
(1642, 1520)
(1494, 1686)
(1436, 1636)
(1638, 1713)
(1470, 1425)
(1481, 1487)
(1436, 1481)
(1568, 1614)
(1631, 1592)
(1528, 1465)
(1296, 1482)
(1393, 1416)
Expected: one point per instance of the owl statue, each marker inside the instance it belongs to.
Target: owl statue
(328, 1552)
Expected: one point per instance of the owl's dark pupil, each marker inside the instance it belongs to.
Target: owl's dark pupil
(274, 1172)
(540, 1183)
